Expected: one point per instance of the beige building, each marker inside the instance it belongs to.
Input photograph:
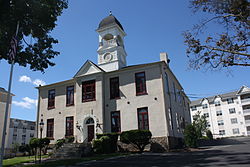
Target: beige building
(20, 132)
(3, 101)
(114, 97)
(227, 114)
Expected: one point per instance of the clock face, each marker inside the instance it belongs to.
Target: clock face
(108, 57)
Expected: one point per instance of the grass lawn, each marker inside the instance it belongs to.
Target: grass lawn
(19, 160)
(68, 162)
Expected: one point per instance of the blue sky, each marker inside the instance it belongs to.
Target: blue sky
(151, 28)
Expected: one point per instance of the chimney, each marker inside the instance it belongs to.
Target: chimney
(164, 57)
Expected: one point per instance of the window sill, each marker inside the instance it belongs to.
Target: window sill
(68, 105)
(140, 94)
(51, 138)
(50, 108)
(83, 101)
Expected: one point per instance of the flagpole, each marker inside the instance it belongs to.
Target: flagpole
(7, 106)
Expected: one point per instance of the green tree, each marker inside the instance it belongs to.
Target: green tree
(15, 148)
(200, 124)
(138, 138)
(34, 144)
(190, 136)
(209, 134)
(37, 18)
(228, 45)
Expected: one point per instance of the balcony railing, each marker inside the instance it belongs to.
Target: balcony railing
(248, 132)
(247, 100)
(247, 121)
(246, 111)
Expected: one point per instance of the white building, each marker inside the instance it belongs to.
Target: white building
(227, 114)
(20, 132)
(3, 101)
(114, 97)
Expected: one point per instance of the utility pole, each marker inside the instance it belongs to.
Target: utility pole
(8, 97)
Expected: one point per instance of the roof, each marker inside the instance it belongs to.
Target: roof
(211, 98)
(5, 92)
(110, 20)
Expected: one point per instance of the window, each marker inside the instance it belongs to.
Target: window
(206, 115)
(204, 106)
(114, 88)
(70, 95)
(14, 137)
(236, 131)
(88, 91)
(220, 122)
(50, 128)
(232, 110)
(166, 82)
(23, 137)
(24, 130)
(51, 99)
(115, 121)
(193, 108)
(140, 83)
(222, 132)
(143, 118)
(229, 101)
(31, 135)
(69, 126)
(208, 124)
(32, 128)
(217, 103)
(195, 117)
(219, 113)
(234, 121)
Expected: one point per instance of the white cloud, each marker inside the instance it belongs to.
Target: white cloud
(26, 103)
(38, 82)
(35, 82)
(24, 78)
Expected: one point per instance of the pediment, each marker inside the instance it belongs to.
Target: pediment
(87, 69)
(243, 90)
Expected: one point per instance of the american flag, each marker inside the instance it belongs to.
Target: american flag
(13, 48)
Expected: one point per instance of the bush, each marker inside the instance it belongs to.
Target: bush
(113, 140)
(69, 139)
(209, 134)
(103, 145)
(97, 146)
(190, 136)
(138, 138)
(59, 143)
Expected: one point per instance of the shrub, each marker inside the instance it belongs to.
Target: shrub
(190, 136)
(102, 145)
(59, 143)
(138, 138)
(209, 134)
(113, 140)
(97, 146)
(69, 139)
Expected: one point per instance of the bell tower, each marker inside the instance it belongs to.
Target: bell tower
(111, 51)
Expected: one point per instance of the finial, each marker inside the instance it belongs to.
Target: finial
(110, 12)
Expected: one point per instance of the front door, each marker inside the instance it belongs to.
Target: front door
(90, 132)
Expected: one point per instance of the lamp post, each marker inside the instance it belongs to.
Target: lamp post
(41, 124)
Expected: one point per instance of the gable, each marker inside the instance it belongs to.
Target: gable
(243, 90)
(87, 69)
